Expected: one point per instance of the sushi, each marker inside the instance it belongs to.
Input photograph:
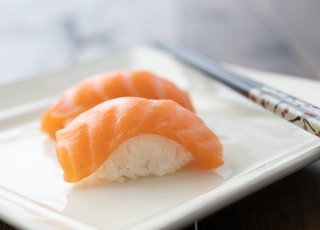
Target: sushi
(99, 88)
(132, 137)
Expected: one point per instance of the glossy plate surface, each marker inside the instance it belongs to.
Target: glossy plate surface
(259, 148)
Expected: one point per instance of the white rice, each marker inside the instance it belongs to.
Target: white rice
(142, 156)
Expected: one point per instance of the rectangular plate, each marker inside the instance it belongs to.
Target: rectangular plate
(259, 149)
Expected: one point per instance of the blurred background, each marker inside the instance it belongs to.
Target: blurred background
(37, 37)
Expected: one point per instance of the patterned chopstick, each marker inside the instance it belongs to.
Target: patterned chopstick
(290, 108)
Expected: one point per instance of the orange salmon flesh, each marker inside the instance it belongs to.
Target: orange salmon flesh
(87, 141)
(96, 89)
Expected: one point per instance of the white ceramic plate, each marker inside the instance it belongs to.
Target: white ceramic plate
(259, 148)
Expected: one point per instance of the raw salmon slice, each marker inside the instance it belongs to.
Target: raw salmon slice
(89, 140)
(97, 89)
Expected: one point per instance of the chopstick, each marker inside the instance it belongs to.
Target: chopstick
(290, 108)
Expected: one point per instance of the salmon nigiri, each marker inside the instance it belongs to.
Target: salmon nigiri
(132, 137)
(97, 89)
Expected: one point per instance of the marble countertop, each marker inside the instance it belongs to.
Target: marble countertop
(37, 37)
(42, 36)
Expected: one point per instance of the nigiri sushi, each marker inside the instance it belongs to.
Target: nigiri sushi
(132, 137)
(97, 89)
